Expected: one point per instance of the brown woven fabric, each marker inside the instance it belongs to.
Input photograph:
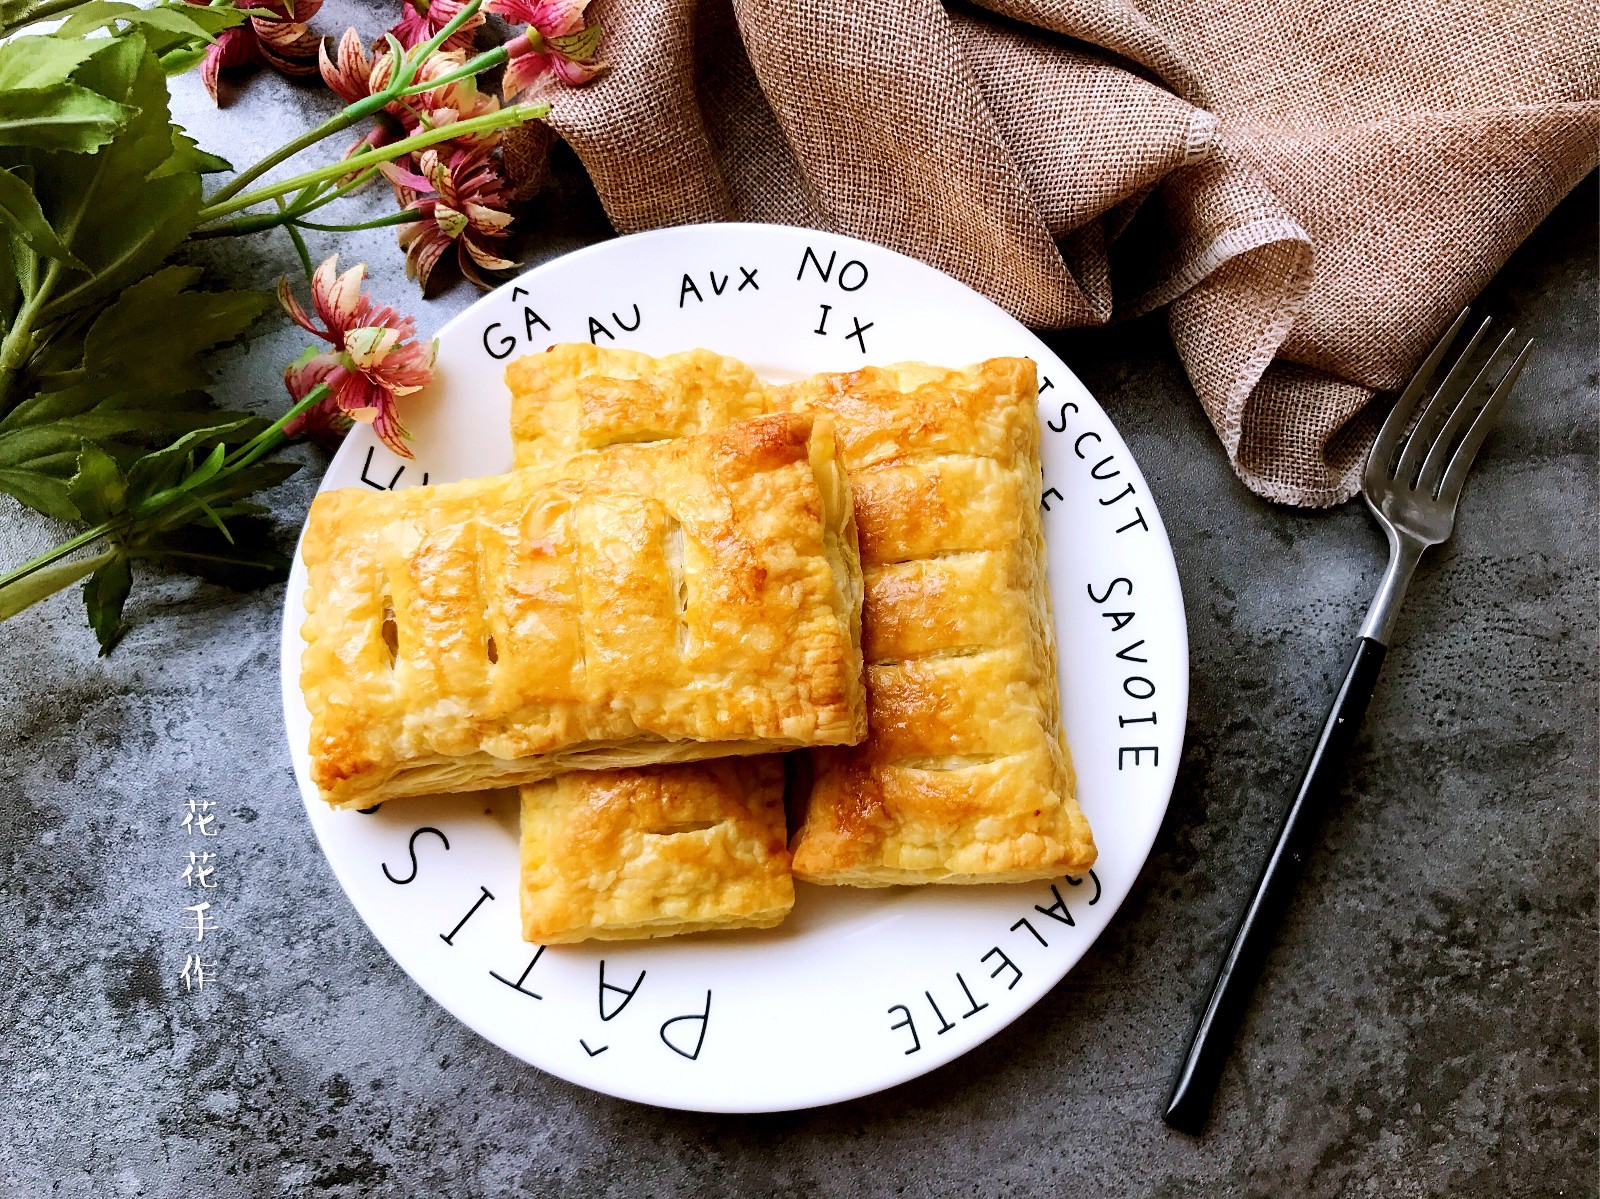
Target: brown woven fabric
(1312, 187)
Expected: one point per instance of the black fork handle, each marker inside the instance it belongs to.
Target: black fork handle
(1190, 1102)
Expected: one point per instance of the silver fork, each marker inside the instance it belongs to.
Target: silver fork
(1412, 483)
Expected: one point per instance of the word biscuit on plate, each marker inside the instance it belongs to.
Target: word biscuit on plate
(654, 603)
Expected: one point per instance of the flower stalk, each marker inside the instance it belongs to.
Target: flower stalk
(505, 118)
(405, 73)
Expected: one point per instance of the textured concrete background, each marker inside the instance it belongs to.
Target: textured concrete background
(1427, 1026)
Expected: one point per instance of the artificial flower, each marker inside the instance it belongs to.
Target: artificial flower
(354, 74)
(349, 74)
(422, 19)
(372, 359)
(324, 423)
(460, 201)
(556, 43)
(280, 38)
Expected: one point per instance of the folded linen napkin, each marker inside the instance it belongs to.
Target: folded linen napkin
(1313, 188)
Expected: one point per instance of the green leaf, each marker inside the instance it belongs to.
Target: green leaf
(207, 470)
(98, 491)
(153, 338)
(150, 342)
(188, 20)
(37, 461)
(37, 425)
(113, 209)
(176, 62)
(14, 14)
(224, 496)
(142, 371)
(41, 584)
(37, 61)
(104, 595)
(13, 11)
(164, 469)
(211, 19)
(40, 425)
(41, 488)
(59, 116)
(21, 215)
(250, 561)
(157, 511)
(188, 156)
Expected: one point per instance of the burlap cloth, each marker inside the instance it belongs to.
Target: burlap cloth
(1312, 188)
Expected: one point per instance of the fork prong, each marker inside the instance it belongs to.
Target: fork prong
(1445, 397)
(1461, 464)
(1472, 400)
(1399, 418)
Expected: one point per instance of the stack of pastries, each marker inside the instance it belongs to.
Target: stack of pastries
(688, 572)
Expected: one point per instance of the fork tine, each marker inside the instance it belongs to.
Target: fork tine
(1471, 402)
(1399, 418)
(1456, 475)
(1450, 390)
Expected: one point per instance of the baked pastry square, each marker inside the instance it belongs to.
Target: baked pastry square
(598, 860)
(965, 775)
(654, 603)
(655, 851)
(575, 397)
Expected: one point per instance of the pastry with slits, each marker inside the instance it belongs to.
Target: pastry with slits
(655, 603)
(964, 776)
(661, 850)
(655, 851)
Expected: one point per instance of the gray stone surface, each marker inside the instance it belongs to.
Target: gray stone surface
(1427, 1026)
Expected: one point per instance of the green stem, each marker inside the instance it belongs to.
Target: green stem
(270, 437)
(299, 244)
(255, 223)
(321, 199)
(505, 118)
(50, 557)
(18, 342)
(405, 216)
(301, 249)
(405, 72)
(309, 200)
(489, 58)
(288, 150)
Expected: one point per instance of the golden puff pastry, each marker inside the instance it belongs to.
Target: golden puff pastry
(655, 851)
(592, 866)
(649, 604)
(576, 397)
(964, 776)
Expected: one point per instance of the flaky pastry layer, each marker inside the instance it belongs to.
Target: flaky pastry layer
(654, 852)
(654, 603)
(592, 866)
(965, 775)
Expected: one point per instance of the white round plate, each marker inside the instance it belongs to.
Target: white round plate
(859, 989)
